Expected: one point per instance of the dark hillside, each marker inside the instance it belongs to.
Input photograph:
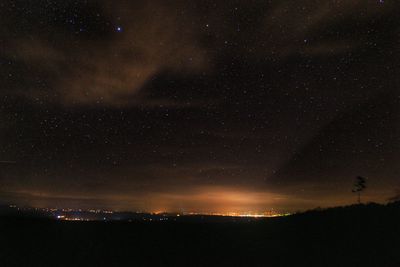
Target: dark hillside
(366, 235)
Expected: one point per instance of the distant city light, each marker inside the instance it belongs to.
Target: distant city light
(70, 214)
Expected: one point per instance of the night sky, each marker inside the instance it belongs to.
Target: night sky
(198, 106)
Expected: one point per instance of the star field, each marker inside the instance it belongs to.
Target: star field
(204, 106)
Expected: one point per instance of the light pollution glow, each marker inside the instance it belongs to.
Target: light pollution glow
(205, 200)
(212, 200)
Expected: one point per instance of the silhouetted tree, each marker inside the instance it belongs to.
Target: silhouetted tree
(359, 186)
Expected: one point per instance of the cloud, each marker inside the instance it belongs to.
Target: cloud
(83, 64)
(154, 38)
(150, 43)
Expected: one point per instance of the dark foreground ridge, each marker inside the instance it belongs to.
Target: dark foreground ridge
(360, 235)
